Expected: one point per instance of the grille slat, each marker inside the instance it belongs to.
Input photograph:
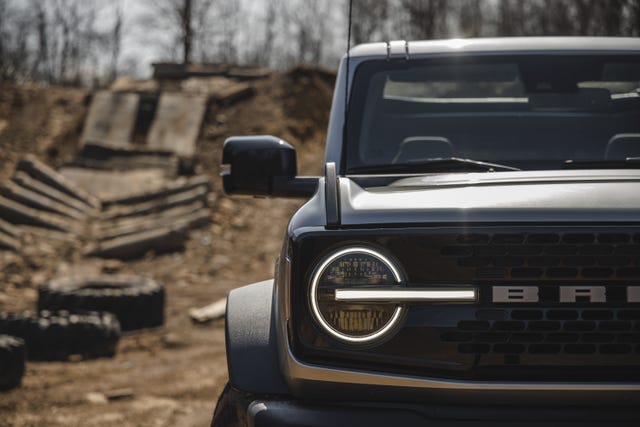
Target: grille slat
(549, 255)
(550, 331)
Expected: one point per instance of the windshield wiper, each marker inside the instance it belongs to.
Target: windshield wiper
(448, 164)
(628, 163)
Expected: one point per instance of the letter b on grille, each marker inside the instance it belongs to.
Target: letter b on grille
(515, 294)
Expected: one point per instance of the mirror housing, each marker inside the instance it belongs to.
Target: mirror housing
(263, 166)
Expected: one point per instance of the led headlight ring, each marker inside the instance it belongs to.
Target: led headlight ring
(328, 328)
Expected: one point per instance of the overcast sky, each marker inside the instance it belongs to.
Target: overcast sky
(145, 45)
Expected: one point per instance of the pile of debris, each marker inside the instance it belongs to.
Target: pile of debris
(157, 220)
(129, 189)
(38, 199)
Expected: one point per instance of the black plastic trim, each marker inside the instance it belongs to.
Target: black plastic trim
(252, 353)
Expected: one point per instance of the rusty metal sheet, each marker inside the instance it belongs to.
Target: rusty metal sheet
(111, 119)
(177, 123)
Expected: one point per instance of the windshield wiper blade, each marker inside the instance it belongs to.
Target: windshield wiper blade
(628, 163)
(448, 164)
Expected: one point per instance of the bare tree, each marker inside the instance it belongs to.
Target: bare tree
(309, 21)
(184, 12)
(116, 41)
(185, 20)
(612, 16)
(369, 17)
(14, 34)
(41, 69)
(266, 49)
(512, 17)
(228, 14)
(4, 11)
(427, 18)
(633, 26)
(471, 17)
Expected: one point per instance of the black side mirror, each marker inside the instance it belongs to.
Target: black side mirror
(263, 166)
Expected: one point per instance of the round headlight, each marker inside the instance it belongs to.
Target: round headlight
(354, 268)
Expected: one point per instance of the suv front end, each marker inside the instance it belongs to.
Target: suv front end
(472, 254)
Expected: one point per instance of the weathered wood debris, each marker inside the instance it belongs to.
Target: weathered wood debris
(125, 193)
(38, 200)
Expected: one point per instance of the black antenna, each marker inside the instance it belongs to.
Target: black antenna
(346, 86)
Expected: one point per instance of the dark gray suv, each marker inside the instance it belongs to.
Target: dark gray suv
(471, 256)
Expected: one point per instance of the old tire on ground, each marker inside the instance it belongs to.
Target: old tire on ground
(138, 302)
(12, 358)
(56, 336)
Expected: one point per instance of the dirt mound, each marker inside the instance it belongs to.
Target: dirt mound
(294, 106)
(45, 121)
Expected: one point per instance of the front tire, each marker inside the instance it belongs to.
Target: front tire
(231, 409)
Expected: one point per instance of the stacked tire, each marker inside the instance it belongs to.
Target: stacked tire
(137, 302)
(12, 362)
(59, 335)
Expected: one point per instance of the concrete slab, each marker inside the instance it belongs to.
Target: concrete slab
(111, 184)
(111, 119)
(177, 123)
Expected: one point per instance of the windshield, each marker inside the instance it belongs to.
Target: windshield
(529, 112)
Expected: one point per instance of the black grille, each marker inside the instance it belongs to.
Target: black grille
(530, 331)
(542, 340)
(548, 255)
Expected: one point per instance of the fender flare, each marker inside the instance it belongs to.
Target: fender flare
(252, 349)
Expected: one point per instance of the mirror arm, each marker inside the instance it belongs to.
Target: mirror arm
(295, 187)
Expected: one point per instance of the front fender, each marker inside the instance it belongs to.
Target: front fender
(252, 352)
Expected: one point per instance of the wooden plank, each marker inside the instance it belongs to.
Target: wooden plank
(15, 192)
(175, 212)
(177, 123)
(38, 234)
(10, 229)
(111, 119)
(209, 312)
(40, 187)
(138, 244)
(189, 221)
(17, 213)
(243, 73)
(168, 164)
(184, 198)
(38, 170)
(107, 184)
(177, 186)
(8, 242)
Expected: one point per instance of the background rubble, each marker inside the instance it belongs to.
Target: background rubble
(172, 374)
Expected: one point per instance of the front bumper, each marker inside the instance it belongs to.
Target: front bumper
(283, 413)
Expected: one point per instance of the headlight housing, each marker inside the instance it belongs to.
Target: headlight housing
(355, 267)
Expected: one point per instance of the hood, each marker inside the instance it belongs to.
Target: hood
(585, 196)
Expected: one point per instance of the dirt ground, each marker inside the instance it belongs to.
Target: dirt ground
(177, 371)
